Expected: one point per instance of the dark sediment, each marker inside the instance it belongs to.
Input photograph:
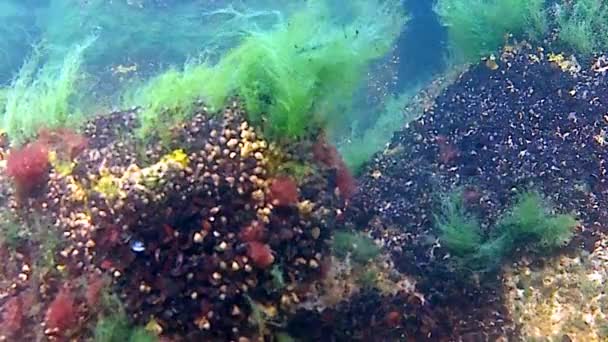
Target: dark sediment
(367, 316)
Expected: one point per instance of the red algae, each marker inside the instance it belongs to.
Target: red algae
(346, 183)
(325, 153)
(65, 142)
(95, 285)
(328, 155)
(283, 191)
(254, 231)
(61, 313)
(12, 316)
(260, 254)
(447, 152)
(393, 319)
(106, 265)
(28, 166)
(471, 196)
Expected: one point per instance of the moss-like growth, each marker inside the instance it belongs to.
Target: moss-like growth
(61, 166)
(367, 279)
(530, 222)
(114, 325)
(479, 27)
(298, 170)
(284, 337)
(276, 272)
(141, 335)
(263, 317)
(358, 246)
(459, 231)
(12, 234)
(112, 329)
(117, 329)
(43, 98)
(49, 240)
(528, 225)
(176, 156)
(583, 24)
(37, 234)
(292, 79)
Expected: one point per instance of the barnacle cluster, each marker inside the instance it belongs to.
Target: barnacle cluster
(198, 230)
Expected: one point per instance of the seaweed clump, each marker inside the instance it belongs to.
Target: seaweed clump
(295, 78)
(581, 25)
(356, 245)
(479, 27)
(528, 225)
(43, 98)
(28, 166)
(116, 329)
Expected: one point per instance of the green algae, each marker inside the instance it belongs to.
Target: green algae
(358, 246)
(293, 79)
(479, 27)
(529, 224)
(43, 95)
(582, 26)
(361, 147)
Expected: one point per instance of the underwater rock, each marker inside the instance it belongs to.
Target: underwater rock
(194, 228)
(526, 124)
(367, 316)
(562, 297)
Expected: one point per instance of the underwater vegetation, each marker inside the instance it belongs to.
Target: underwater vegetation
(363, 146)
(116, 328)
(479, 27)
(354, 245)
(582, 24)
(527, 225)
(133, 40)
(460, 231)
(44, 95)
(217, 208)
(300, 76)
(28, 167)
